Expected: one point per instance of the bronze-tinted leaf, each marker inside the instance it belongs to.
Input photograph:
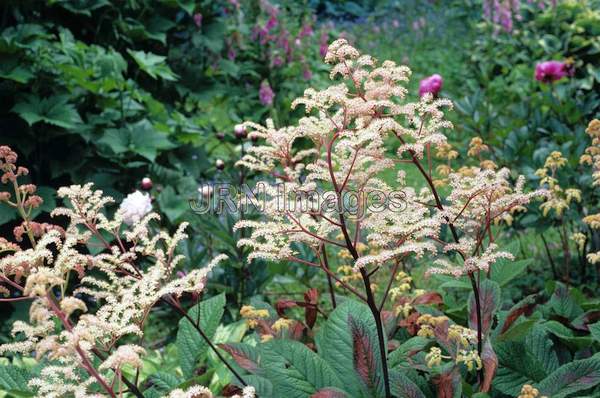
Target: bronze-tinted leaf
(241, 356)
(364, 358)
(328, 393)
(490, 365)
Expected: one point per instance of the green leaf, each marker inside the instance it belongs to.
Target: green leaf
(403, 387)
(367, 362)
(154, 65)
(505, 271)
(595, 331)
(567, 335)
(171, 204)
(53, 110)
(563, 303)
(15, 379)
(190, 344)
(517, 367)
(262, 386)
(295, 370)
(572, 377)
(540, 346)
(246, 356)
(164, 382)
(336, 345)
(402, 353)
(489, 297)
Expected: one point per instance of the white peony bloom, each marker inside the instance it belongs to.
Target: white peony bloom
(134, 207)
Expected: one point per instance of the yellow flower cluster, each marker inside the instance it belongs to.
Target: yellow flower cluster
(592, 153)
(446, 151)
(557, 198)
(528, 391)
(592, 157)
(404, 286)
(428, 322)
(434, 357)
(580, 239)
(282, 324)
(470, 358)
(476, 146)
(462, 335)
(348, 274)
(404, 310)
(252, 315)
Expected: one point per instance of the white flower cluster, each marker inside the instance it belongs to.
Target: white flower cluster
(350, 124)
(124, 281)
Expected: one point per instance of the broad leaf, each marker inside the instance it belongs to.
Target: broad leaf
(164, 382)
(403, 387)
(572, 377)
(329, 393)
(406, 349)
(190, 344)
(365, 348)
(489, 296)
(335, 344)
(505, 271)
(154, 65)
(15, 379)
(246, 356)
(295, 370)
(52, 110)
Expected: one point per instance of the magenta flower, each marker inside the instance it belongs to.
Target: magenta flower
(432, 84)
(198, 19)
(323, 44)
(271, 23)
(277, 61)
(266, 94)
(307, 73)
(305, 31)
(551, 71)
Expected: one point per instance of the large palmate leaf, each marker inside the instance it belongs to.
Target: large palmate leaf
(336, 344)
(294, 370)
(52, 110)
(190, 345)
(572, 377)
(154, 65)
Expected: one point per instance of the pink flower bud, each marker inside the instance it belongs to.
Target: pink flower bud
(146, 183)
(198, 19)
(266, 94)
(432, 84)
(551, 71)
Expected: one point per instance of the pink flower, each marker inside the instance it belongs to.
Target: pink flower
(231, 54)
(305, 31)
(551, 71)
(432, 84)
(266, 94)
(323, 44)
(198, 19)
(307, 73)
(277, 61)
(271, 23)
